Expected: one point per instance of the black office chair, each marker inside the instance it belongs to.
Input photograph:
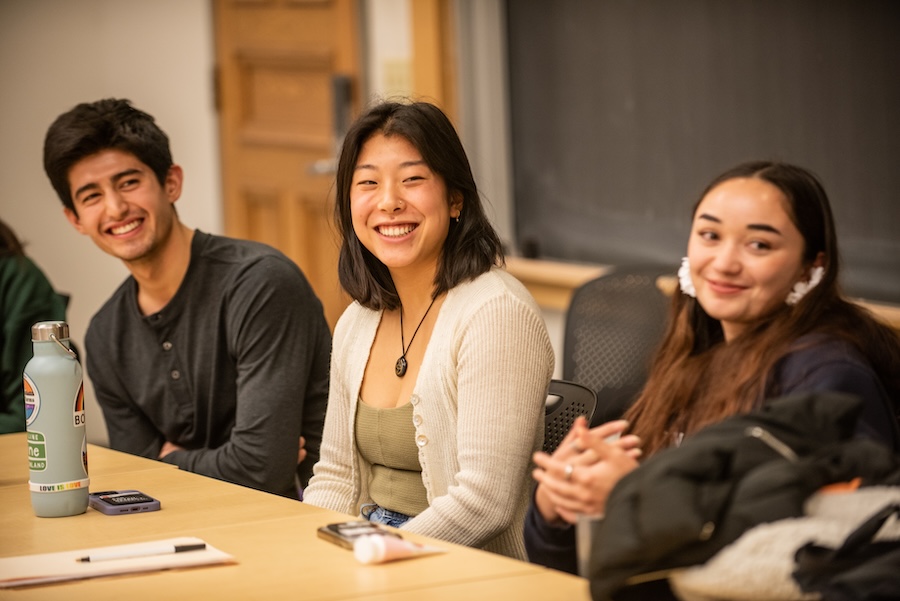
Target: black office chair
(565, 402)
(613, 325)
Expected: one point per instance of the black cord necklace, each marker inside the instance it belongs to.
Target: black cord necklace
(401, 365)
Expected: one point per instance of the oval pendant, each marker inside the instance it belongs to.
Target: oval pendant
(400, 367)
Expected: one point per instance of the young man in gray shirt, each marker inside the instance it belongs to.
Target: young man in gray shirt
(213, 355)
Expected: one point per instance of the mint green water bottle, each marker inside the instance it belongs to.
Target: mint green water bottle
(54, 419)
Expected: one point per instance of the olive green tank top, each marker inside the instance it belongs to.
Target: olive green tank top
(386, 438)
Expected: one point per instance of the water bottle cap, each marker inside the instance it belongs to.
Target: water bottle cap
(41, 331)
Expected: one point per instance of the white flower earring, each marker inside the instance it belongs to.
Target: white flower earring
(684, 278)
(801, 288)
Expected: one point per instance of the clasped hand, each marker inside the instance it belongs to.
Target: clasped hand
(578, 477)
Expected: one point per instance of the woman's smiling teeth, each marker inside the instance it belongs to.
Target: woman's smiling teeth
(395, 231)
(124, 229)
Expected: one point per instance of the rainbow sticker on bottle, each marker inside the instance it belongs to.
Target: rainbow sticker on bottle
(32, 401)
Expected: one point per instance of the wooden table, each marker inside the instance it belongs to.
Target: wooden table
(272, 538)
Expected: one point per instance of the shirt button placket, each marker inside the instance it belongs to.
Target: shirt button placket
(174, 374)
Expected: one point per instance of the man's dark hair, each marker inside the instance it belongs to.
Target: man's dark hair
(93, 127)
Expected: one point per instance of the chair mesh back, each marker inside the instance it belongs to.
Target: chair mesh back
(571, 400)
(613, 326)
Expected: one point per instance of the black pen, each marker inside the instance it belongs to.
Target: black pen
(142, 552)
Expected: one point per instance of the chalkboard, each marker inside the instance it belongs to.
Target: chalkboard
(623, 110)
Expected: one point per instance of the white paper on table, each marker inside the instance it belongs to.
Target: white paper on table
(27, 570)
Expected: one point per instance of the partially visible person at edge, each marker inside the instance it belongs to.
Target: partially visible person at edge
(759, 315)
(213, 354)
(26, 297)
(441, 366)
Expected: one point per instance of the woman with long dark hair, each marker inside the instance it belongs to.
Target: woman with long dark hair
(758, 314)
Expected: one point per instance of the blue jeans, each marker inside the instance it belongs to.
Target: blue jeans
(380, 515)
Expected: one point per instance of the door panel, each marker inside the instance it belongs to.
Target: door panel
(277, 60)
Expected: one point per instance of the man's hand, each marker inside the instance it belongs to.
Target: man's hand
(169, 447)
(301, 454)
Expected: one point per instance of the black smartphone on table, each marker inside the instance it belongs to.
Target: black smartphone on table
(119, 502)
(344, 533)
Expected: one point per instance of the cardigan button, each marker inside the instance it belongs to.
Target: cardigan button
(167, 346)
(421, 440)
(176, 375)
(417, 419)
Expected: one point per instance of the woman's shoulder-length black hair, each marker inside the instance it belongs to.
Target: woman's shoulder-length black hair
(472, 246)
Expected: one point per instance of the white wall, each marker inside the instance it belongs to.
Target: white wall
(387, 48)
(57, 53)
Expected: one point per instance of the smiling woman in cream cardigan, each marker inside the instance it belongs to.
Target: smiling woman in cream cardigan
(440, 367)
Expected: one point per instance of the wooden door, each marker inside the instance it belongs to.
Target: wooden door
(283, 67)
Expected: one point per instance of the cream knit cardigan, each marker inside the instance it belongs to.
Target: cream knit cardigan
(478, 408)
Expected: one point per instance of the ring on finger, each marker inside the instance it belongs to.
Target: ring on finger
(567, 473)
